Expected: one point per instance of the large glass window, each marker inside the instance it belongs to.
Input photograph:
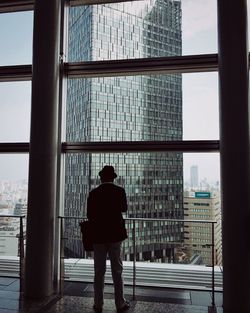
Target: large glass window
(157, 107)
(16, 31)
(158, 186)
(143, 108)
(15, 105)
(142, 29)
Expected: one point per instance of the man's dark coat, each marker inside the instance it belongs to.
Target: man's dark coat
(104, 210)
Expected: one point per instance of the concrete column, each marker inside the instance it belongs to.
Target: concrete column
(43, 150)
(235, 165)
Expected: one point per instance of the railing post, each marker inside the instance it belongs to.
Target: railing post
(21, 254)
(134, 260)
(61, 283)
(213, 302)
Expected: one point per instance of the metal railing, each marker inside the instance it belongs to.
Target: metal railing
(133, 222)
(6, 226)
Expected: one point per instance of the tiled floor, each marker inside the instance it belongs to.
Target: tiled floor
(79, 305)
(78, 297)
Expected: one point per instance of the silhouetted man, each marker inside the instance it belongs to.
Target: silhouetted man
(104, 209)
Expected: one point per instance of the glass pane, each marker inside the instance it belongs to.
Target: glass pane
(15, 106)
(201, 171)
(199, 26)
(200, 106)
(141, 108)
(16, 31)
(142, 29)
(158, 186)
(13, 201)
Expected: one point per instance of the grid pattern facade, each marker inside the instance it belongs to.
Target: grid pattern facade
(198, 236)
(132, 108)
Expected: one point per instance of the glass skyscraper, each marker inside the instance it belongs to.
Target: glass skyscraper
(128, 108)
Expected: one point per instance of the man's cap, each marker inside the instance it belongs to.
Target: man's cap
(107, 172)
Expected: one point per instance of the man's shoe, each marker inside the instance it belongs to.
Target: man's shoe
(124, 308)
(97, 310)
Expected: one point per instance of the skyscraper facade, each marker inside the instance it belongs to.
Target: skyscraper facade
(128, 108)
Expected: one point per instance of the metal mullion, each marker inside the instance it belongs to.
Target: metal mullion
(16, 147)
(91, 2)
(139, 146)
(16, 5)
(15, 73)
(177, 64)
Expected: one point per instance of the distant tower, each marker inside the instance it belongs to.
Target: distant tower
(194, 179)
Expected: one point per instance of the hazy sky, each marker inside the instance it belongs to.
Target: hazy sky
(200, 91)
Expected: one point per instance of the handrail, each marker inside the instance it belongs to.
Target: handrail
(147, 219)
(14, 216)
(212, 222)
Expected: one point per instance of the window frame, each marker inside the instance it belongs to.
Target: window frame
(176, 64)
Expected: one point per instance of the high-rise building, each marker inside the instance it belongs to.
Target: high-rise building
(127, 108)
(203, 206)
(194, 178)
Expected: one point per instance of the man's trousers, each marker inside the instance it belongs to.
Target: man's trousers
(113, 250)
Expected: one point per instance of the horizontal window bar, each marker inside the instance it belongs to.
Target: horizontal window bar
(135, 146)
(88, 2)
(16, 5)
(180, 64)
(13, 216)
(15, 73)
(147, 146)
(18, 147)
(24, 5)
